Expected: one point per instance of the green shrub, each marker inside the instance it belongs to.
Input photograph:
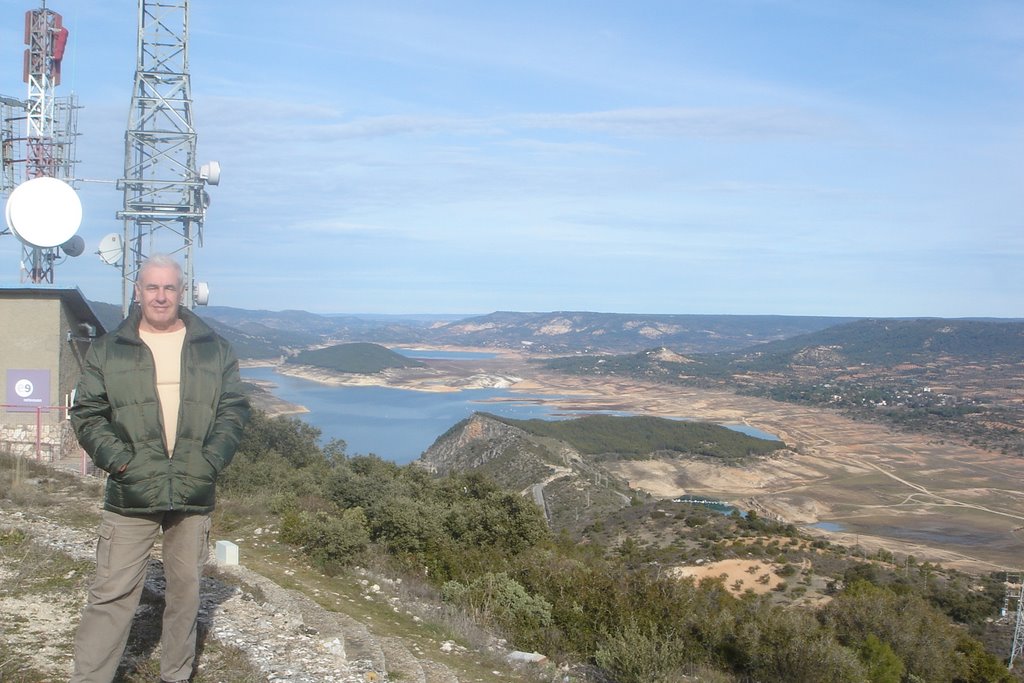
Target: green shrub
(330, 540)
(929, 645)
(785, 645)
(883, 665)
(639, 654)
(500, 601)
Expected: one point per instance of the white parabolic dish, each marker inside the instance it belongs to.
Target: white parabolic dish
(110, 249)
(44, 212)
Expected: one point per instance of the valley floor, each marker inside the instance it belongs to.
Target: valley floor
(871, 486)
(940, 501)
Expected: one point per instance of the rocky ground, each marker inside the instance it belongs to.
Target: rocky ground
(252, 627)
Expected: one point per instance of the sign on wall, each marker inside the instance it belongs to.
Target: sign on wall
(27, 390)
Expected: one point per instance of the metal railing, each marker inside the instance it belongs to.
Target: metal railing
(44, 434)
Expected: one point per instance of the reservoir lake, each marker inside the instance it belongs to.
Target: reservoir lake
(399, 424)
(395, 424)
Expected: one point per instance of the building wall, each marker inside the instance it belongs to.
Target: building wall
(29, 334)
(72, 354)
(34, 335)
(30, 338)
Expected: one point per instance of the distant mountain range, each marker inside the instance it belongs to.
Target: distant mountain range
(741, 342)
(885, 343)
(576, 331)
(270, 334)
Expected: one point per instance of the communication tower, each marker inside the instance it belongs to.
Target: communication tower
(38, 140)
(165, 197)
(1015, 588)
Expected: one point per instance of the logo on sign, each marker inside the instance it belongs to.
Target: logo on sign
(24, 388)
(27, 389)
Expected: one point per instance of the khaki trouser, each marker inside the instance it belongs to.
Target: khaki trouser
(122, 555)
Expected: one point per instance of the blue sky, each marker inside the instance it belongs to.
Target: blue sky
(731, 156)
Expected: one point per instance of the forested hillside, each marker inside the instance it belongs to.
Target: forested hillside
(358, 358)
(615, 608)
(642, 435)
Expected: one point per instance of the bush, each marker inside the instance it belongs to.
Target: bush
(883, 665)
(785, 645)
(330, 540)
(500, 601)
(291, 438)
(403, 525)
(930, 647)
(643, 655)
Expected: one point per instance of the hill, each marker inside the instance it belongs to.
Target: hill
(480, 559)
(644, 435)
(561, 463)
(109, 314)
(581, 331)
(951, 377)
(889, 342)
(270, 334)
(357, 358)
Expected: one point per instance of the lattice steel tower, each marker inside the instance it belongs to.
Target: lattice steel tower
(39, 133)
(1017, 646)
(165, 198)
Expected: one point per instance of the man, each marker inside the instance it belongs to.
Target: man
(160, 408)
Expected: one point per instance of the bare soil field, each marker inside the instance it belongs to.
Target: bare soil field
(939, 501)
(739, 575)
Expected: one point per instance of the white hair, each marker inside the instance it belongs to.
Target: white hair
(162, 261)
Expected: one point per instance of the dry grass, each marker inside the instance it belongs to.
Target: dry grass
(64, 496)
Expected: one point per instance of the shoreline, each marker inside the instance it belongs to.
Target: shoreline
(862, 475)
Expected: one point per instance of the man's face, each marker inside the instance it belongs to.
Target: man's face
(159, 294)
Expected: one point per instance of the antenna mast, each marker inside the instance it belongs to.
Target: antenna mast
(46, 148)
(164, 191)
(1017, 645)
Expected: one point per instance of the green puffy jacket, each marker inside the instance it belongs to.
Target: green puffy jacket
(116, 416)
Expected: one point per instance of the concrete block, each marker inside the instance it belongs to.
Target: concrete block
(227, 552)
(517, 657)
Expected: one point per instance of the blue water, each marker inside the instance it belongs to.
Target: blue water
(399, 424)
(752, 431)
(396, 424)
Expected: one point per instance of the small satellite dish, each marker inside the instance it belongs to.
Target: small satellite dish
(44, 212)
(201, 295)
(110, 249)
(74, 246)
(210, 172)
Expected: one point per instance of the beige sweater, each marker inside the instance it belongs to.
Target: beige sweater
(166, 348)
